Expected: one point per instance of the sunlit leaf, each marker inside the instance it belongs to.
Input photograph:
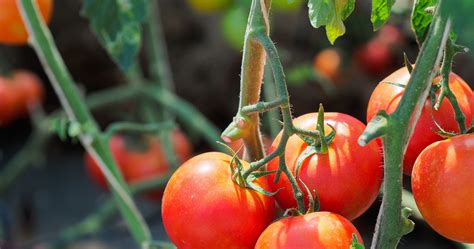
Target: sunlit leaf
(331, 14)
(380, 12)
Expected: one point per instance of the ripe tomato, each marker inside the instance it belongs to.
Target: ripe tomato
(387, 96)
(13, 32)
(209, 5)
(204, 209)
(30, 86)
(328, 63)
(374, 58)
(346, 182)
(234, 25)
(318, 230)
(10, 101)
(140, 165)
(286, 5)
(443, 189)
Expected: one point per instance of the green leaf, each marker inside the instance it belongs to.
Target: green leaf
(421, 19)
(380, 12)
(117, 24)
(355, 243)
(330, 13)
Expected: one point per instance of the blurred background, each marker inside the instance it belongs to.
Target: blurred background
(204, 49)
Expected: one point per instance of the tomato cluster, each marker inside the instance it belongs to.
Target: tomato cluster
(140, 164)
(13, 31)
(203, 193)
(17, 93)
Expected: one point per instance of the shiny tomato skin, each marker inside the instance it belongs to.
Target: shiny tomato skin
(118, 150)
(203, 208)
(10, 101)
(387, 96)
(13, 31)
(442, 184)
(30, 87)
(347, 179)
(328, 62)
(318, 230)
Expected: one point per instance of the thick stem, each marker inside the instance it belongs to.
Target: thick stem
(398, 130)
(269, 93)
(76, 109)
(253, 62)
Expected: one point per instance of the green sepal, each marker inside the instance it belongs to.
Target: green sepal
(251, 185)
(355, 243)
(313, 148)
(443, 133)
(407, 224)
(314, 203)
(407, 63)
(393, 84)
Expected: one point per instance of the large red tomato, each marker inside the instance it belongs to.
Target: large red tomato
(387, 96)
(141, 165)
(318, 230)
(347, 179)
(442, 184)
(13, 31)
(203, 208)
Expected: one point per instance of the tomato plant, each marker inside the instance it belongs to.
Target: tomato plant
(328, 63)
(387, 96)
(138, 165)
(442, 187)
(345, 182)
(317, 230)
(209, 5)
(13, 30)
(204, 208)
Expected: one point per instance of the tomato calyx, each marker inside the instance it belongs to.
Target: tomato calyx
(355, 243)
(407, 224)
(317, 145)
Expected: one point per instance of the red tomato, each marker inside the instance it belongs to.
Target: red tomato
(347, 179)
(442, 185)
(118, 150)
(204, 209)
(141, 165)
(374, 58)
(390, 35)
(319, 230)
(13, 32)
(10, 101)
(387, 96)
(328, 63)
(30, 86)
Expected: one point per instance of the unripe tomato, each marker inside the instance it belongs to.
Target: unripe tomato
(387, 96)
(442, 184)
(203, 208)
(234, 25)
(140, 165)
(346, 179)
(286, 5)
(374, 58)
(205, 6)
(328, 63)
(10, 101)
(13, 31)
(318, 230)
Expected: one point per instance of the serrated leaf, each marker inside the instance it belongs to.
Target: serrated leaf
(421, 19)
(117, 24)
(330, 13)
(380, 12)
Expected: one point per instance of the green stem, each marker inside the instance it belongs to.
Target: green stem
(94, 142)
(445, 90)
(160, 73)
(96, 221)
(269, 93)
(396, 130)
(252, 71)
